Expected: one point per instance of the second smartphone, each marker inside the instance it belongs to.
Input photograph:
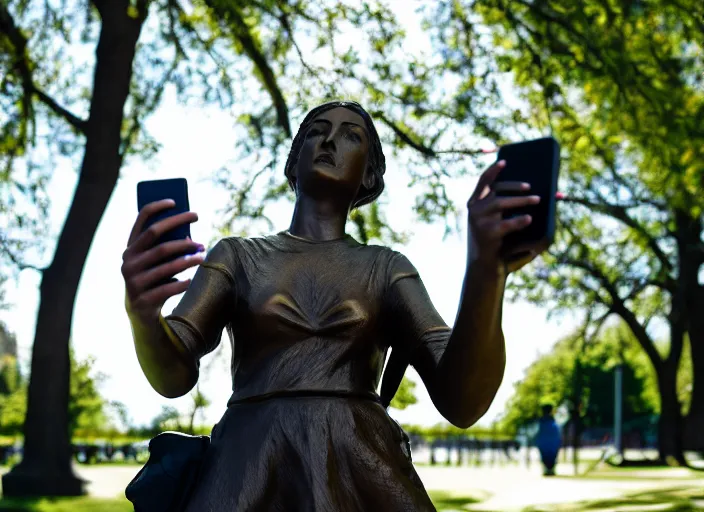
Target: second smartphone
(536, 162)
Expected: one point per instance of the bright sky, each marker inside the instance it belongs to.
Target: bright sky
(195, 143)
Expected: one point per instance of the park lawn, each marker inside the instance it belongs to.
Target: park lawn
(676, 499)
(82, 504)
(445, 501)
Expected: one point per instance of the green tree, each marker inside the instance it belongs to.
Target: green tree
(630, 241)
(199, 403)
(552, 377)
(119, 418)
(168, 419)
(8, 342)
(64, 102)
(620, 85)
(86, 406)
(405, 396)
(13, 396)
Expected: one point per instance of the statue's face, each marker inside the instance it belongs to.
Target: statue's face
(333, 157)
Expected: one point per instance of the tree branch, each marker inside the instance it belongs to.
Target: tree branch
(599, 323)
(174, 7)
(552, 19)
(405, 137)
(103, 5)
(596, 323)
(240, 30)
(14, 259)
(100, 5)
(22, 66)
(283, 19)
(619, 213)
(147, 106)
(80, 125)
(618, 306)
(424, 150)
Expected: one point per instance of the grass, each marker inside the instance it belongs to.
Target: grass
(684, 495)
(678, 499)
(647, 474)
(447, 502)
(82, 504)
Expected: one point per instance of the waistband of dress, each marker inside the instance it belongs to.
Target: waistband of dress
(306, 393)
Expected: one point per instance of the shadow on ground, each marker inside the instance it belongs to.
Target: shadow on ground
(680, 499)
(447, 502)
(65, 505)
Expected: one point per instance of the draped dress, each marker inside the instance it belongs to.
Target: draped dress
(310, 324)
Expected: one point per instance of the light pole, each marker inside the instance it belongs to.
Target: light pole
(618, 401)
(618, 409)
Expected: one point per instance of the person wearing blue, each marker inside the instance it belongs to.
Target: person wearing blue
(549, 439)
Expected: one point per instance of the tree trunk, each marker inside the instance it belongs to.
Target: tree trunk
(670, 426)
(46, 468)
(689, 230)
(694, 423)
(191, 421)
(576, 436)
(576, 411)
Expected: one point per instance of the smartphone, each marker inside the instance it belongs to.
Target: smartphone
(156, 190)
(536, 162)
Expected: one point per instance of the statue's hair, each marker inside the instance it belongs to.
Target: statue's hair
(376, 162)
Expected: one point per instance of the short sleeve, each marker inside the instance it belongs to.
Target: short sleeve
(208, 304)
(415, 325)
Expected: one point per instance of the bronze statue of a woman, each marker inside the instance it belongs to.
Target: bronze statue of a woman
(310, 314)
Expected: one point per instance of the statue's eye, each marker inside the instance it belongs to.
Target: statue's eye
(353, 135)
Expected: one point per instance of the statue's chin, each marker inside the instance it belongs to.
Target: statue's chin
(326, 181)
(326, 176)
(326, 170)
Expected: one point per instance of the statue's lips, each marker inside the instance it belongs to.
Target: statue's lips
(325, 160)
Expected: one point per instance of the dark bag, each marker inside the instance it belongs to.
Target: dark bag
(166, 481)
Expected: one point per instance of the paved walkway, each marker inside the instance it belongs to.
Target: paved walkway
(508, 488)
(514, 488)
(107, 481)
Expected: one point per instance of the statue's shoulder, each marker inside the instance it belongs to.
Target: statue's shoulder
(384, 251)
(392, 261)
(253, 246)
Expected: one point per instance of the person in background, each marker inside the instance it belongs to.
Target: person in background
(548, 440)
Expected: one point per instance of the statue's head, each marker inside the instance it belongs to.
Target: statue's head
(337, 154)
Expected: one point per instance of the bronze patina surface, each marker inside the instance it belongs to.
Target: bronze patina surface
(311, 314)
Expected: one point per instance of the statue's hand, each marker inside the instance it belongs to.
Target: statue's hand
(487, 227)
(142, 266)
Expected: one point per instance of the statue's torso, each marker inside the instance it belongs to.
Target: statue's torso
(308, 315)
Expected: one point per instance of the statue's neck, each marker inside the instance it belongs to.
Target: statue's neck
(318, 220)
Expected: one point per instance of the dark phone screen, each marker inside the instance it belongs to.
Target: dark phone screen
(535, 162)
(156, 190)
